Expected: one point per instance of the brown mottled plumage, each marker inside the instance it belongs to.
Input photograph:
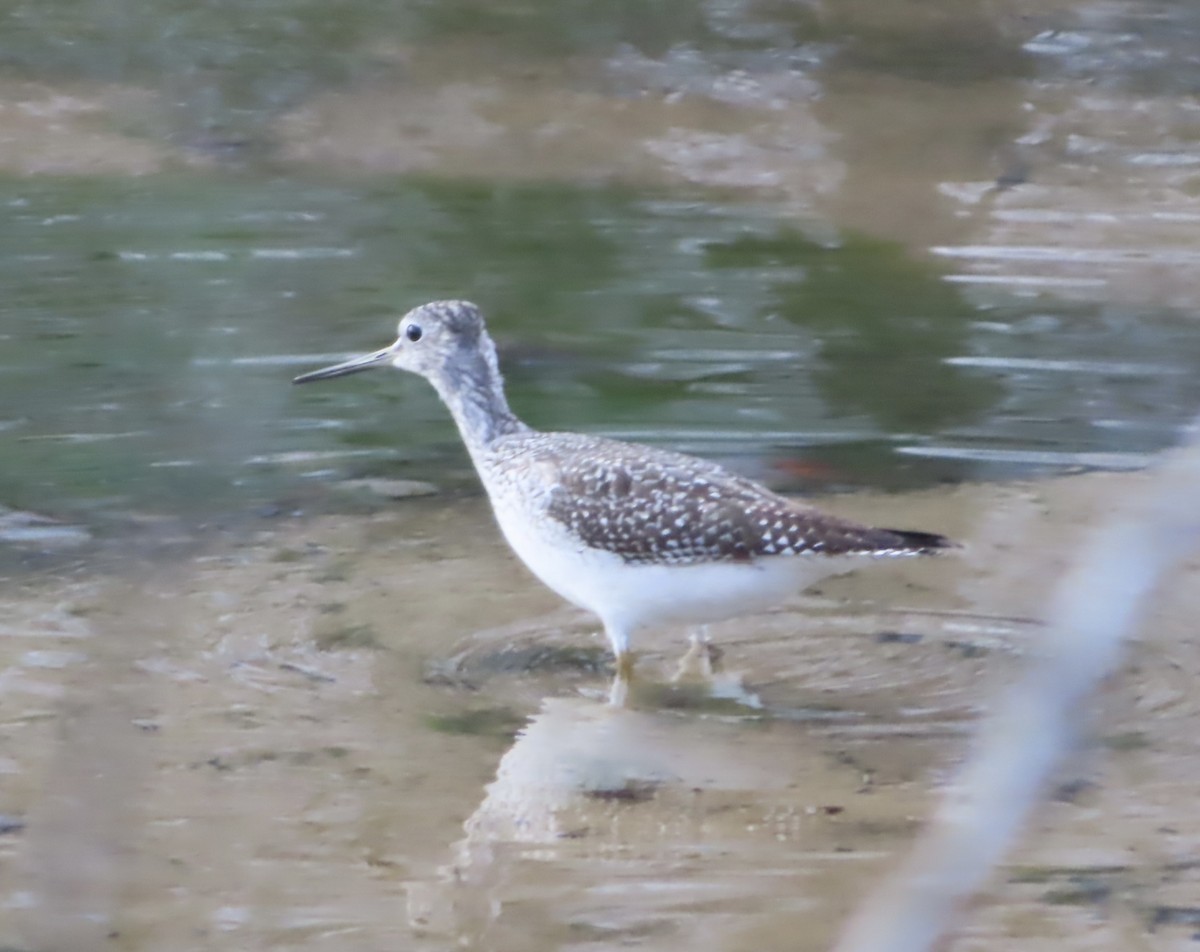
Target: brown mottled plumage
(652, 506)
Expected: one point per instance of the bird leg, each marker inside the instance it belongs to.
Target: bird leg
(618, 639)
(625, 663)
(699, 661)
(618, 693)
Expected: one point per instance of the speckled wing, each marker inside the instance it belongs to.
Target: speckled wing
(651, 506)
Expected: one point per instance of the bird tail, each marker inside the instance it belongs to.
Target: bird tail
(923, 543)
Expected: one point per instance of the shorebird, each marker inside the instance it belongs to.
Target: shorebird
(636, 535)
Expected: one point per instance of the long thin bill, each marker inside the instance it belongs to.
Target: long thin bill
(352, 366)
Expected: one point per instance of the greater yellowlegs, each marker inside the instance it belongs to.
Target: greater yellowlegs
(637, 536)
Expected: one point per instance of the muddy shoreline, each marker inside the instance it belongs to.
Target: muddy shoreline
(265, 743)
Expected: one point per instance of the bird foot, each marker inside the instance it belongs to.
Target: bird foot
(700, 663)
(625, 664)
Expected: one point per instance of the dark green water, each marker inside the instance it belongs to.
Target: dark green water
(152, 328)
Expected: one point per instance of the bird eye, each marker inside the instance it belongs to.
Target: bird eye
(413, 332)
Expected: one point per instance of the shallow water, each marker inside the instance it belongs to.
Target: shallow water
(356, 732)
(246, 700)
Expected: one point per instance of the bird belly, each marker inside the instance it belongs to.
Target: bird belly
(632, 595)
(713, 591)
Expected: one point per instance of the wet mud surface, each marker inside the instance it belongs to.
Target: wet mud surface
(378, 731)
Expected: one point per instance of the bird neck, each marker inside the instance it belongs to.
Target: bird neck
(473, 390)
